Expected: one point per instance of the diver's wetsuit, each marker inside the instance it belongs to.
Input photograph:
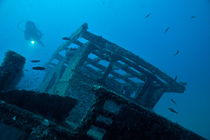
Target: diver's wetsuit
(32, 33)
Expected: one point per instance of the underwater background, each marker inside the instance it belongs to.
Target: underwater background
(154, 30)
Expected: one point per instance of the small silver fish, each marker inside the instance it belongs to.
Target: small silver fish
(172, 110)
(173, 101)
(38, 68)
(177, 52)
(166, 29)
(35, 61)
(193, 17)
(148, 15)
(66, 38)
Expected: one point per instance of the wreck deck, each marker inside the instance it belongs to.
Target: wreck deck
(110, 117)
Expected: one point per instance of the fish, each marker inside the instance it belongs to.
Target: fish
(166, 29)
(38, 68)
(66, 38)
(177, 52)
(148, 15)
(173, 101)
(35, 61)
(172, 110)
(193, 17)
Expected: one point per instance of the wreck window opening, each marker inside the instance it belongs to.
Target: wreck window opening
(134, 65)
(82, 40)
(157, 84)
(111, 107)
(128, 60)
(73, 46)
(97, 69)
(62, 53)
(145, 69)
(161, 80)
(111, 76)
(92, 56)
(55, 61)
(120, 71)
(112, 84)
(136, 80)
(121, 81)
(125, 85)
(135, 70)
(69, 55)
(96, 132)
(90, 72)
(103, 54)
(129, 90)
(137, 90)
(104, 63)
(94, 67)
(104, 119)
(143, 89)
(121, 62)
(115, 68)
(133, 94)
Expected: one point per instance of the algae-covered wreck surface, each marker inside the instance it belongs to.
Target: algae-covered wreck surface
(93, 89)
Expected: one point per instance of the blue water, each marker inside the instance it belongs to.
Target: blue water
(124, 22)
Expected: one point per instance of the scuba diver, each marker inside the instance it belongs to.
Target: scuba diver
(32, 34)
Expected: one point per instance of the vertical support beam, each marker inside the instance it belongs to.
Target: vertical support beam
(109, 68)
(142, 90)
(150, 94)
(155, 97)
(107, 71)
(77, 61)
(72, 39)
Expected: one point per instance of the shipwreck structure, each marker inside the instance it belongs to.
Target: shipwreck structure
(86, 59)
(11, 70)
(89, 59)
(96, 90)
